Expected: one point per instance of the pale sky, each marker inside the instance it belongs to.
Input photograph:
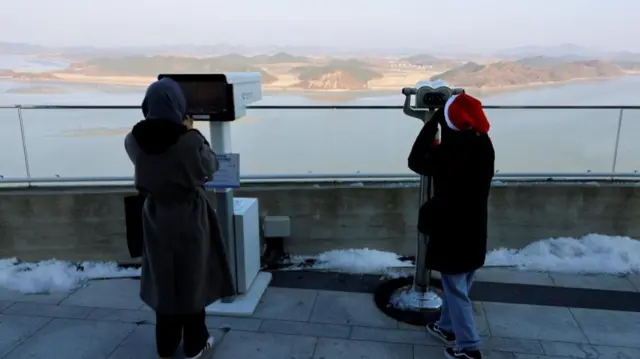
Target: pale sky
(449, 25)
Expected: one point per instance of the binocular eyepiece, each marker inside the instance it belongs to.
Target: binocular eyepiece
(408, 91)
(430, 95)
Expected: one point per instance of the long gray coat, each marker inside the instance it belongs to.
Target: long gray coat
(184, 263)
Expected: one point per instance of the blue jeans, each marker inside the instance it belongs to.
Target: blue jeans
(457, 311)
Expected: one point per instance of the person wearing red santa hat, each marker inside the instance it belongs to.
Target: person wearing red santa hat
(455, 219)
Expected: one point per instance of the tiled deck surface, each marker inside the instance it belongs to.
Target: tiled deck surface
(106, 319)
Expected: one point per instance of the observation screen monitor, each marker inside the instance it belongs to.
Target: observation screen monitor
(209, 96)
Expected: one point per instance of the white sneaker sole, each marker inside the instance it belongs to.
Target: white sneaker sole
(439, 337)
(448, 356)
(207, 348)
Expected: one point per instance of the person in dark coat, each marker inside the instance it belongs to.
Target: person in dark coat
(184, 263)
(455, 219)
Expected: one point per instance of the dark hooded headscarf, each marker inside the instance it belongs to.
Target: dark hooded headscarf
(164, 108)
(164, 100)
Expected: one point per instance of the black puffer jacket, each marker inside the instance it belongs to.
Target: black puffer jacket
(455, 219)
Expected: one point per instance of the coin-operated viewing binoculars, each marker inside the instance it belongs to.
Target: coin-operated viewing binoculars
(419, 296)
(429, 96)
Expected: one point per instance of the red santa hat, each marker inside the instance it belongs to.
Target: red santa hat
(463, 112)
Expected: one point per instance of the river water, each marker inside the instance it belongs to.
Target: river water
(71, 143)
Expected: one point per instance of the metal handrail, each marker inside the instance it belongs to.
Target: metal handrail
(333, 177)
(333, 107)
(542, 176)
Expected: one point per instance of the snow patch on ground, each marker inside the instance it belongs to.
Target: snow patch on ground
(359, 260)
(591, 254)
(54, 275)
(401, 300)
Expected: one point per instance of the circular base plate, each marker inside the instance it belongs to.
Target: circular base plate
(428, 313)
(409, 299)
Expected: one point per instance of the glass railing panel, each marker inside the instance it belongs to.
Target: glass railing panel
(296, 142)
(78, 142)
(12, 163)
(378, 141)
(555, 140)
(89, 143)
(628, 159)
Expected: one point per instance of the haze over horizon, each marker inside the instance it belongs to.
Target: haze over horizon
(454, 25)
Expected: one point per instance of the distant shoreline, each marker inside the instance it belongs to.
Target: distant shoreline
(142, 82)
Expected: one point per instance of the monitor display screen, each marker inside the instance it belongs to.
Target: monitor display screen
(205, 97)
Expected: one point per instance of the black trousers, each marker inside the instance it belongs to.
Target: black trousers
(188, 328)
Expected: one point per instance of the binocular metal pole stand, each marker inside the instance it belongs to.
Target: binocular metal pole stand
(420, 297)
(220, 135)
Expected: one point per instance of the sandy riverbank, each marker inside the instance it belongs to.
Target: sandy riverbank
(389, 85)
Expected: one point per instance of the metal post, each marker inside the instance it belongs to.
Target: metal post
(617, 143)
(24, 146)
(421, 282)
(220, 134)
(420, 297)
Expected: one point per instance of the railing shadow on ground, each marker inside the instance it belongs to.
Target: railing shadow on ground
(63, 145)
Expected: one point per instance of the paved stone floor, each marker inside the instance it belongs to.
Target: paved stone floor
(627, 283)
(106, 320)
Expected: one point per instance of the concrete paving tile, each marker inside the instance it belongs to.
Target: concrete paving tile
(428, 352)
(253, 345)
(606, 327)
(536, 356)
(73, 338)
(406, 326)
(588, 351)
(340, 348)
(349, 309)
(123, 315)
(141, 344)
(533, 322)
(514, 345)
(603, 282)
(47, 298)
(4, 304)
(117, 294)
(15, 329)
(422, 352)
(308, 329)
(286, 304)
(480, 317)
(234, 323)
(635, 280)
(393, 336)
(49, 310)
(510, 275)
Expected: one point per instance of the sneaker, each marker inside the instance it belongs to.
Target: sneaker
(447, 338)
(451, 353)
(208, 345)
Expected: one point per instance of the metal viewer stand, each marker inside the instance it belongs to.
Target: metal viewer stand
(420, 296)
